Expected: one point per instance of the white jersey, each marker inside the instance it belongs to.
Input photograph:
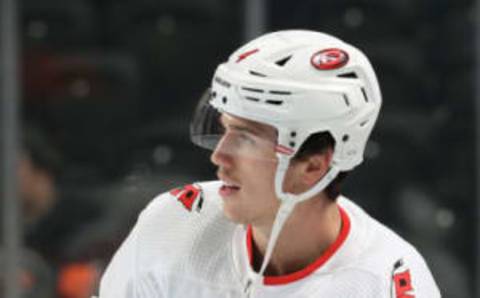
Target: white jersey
(183, 246)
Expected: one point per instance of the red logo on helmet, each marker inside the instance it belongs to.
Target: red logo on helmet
(329, 59)
(246, 54)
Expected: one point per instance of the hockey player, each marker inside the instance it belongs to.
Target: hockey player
(287, 117)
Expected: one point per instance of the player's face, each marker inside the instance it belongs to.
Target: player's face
(247, 163)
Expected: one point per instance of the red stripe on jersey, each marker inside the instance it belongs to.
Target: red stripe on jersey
(329, 252)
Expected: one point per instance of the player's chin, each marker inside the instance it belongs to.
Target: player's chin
(234, 213)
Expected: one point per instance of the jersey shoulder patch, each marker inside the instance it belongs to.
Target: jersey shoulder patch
(190, 196)
(402, 281)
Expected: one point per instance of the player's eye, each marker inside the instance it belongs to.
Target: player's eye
(247, 138)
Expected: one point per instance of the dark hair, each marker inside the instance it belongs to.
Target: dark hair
(318, 143)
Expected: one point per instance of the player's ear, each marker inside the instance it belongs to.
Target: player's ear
(316, 166)
(305, 172)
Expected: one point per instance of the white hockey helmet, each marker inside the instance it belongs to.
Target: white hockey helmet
(302, 82)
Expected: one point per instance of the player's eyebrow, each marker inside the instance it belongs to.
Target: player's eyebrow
(240, 127)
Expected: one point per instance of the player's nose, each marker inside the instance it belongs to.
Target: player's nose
(220, 156)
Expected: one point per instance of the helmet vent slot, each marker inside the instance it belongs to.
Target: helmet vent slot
(345, 98)
(252, 98)
(364, 94)
(283, 61)
(278, 92)
(254, 73)
(363, 123)
(253, 89)
(274, 102)
(348, 75)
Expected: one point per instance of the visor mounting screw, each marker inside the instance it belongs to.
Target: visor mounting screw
(292, 144)
(345, 138)
(224, 99)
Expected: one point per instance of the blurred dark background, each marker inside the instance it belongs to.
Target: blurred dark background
(109, 87)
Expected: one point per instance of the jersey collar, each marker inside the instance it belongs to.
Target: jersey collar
(295, 276)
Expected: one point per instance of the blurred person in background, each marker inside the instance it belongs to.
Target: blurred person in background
(50, 222)
(287, 117)
(38, 169)
(37, 166)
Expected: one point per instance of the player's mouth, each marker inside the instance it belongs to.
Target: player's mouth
(228, 189)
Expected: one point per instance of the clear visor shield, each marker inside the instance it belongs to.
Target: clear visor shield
(231, 136)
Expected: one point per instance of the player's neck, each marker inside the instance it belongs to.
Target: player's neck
(311, 229)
